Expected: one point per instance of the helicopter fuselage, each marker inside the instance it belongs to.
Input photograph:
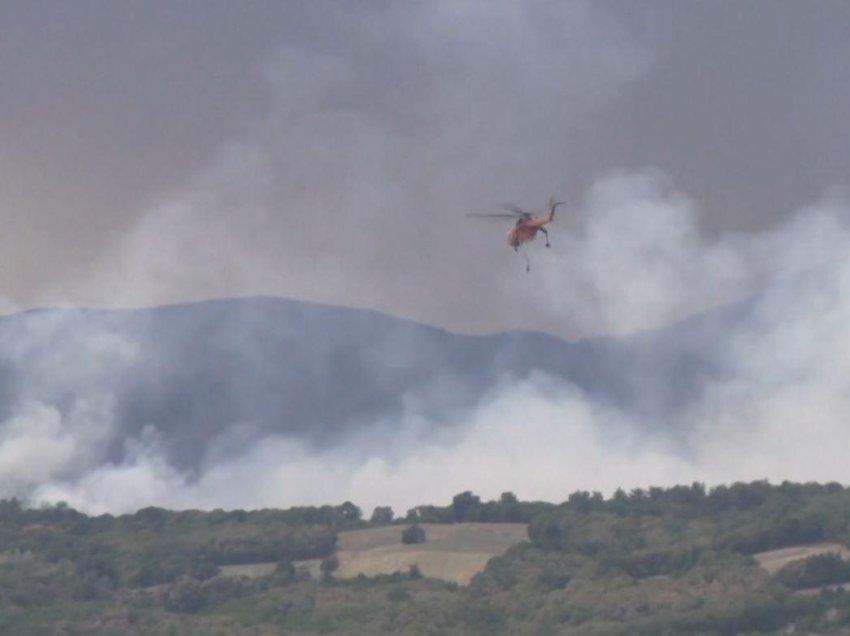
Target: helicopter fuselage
(526, 230)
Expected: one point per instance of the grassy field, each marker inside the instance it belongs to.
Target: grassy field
(775, 560)
(455, 552)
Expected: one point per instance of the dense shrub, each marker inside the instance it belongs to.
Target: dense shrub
(413, 534)
(815, 571)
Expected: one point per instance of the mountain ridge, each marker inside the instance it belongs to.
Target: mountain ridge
(216, 374)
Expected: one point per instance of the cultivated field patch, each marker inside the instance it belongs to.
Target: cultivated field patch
(453, 552)
(775, 560)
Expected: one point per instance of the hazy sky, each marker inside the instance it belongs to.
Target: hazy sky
(153, 152)
(159, 151)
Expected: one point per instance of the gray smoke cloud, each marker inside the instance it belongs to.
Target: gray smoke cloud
(330, 154)
(352, 187)
(380, 127)
(776, 409)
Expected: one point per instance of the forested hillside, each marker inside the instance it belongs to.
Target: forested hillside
(207, 379)
(658, 561)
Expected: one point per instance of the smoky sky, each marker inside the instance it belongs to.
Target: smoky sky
(160, 152)
(773, 404)
(156, 152)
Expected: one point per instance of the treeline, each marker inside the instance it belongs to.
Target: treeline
(94, 556)
(696, 500)
(468, 507)
(14, 513)
(756, 516)
(687, 502)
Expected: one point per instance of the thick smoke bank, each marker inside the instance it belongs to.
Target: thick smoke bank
(767, 397)
(347, 143)
(381, 128)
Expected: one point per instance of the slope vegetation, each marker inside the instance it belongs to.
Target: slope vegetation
(681, 560)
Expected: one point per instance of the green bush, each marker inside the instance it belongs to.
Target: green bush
(329, 565)
(413, 534)
(815, 571)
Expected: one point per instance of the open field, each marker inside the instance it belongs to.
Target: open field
(455, 552)
(251, 570)
(775, 560)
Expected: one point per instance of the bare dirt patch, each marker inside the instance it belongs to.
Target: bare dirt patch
(775, 560)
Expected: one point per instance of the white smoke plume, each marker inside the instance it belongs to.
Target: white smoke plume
(636, 261)
(366, 134)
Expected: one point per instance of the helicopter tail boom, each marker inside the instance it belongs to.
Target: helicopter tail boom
(552, 205)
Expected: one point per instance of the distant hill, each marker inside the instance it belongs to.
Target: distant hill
(211, 376)
(744, 558)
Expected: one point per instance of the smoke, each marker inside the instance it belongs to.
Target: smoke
(521, 440)
(194, 243)
(637, 261)
(377, 129)
(381, 129)
(38, 444)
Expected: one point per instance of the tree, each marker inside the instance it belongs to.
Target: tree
(184, 596)
(464, 506)
(817, 570)
(583, 501)
(382, 516)
(286, 570)
(413, 534)
(10, 509)
(329, 566)
(350, 513)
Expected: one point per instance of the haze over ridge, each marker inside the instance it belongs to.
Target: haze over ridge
(156, 153)
(182, 405)
(160, 153)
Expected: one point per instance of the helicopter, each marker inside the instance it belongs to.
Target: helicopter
(527, 225)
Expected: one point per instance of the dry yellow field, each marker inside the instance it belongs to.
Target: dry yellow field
(775, 560)
(455, 552)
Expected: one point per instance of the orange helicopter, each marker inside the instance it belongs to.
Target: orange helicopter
(527, 225)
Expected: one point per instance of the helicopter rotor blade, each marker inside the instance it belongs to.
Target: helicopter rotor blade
(493, 215)
(517, 211)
